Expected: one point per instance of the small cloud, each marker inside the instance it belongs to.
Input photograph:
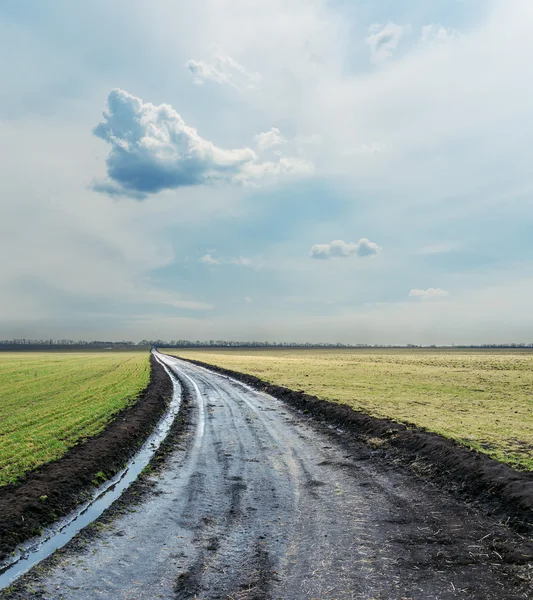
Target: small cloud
(363, 248)
(247, 299)
(428, 294)
(269, 139)
(437, 34)
(209, 259)
(223, 69)
(383, 39)
(153, 149)
(286, 165)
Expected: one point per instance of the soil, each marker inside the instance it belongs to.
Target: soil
(53, 490)
(501, 491)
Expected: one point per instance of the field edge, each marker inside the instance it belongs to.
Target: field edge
(497, 488)
(56, 488)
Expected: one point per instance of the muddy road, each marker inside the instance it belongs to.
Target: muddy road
(260, 502)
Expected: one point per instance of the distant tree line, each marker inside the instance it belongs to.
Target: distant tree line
(23, 343)
(510, 345)
(61, 343)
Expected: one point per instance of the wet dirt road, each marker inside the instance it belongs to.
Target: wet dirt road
(260, 503)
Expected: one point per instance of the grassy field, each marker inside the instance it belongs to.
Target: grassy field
(484, 399)
(51, 400)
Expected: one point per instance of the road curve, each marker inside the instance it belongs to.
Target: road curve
(260, 503)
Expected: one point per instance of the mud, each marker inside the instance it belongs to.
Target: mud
(501, 491)
(257, 501)
(57, 488)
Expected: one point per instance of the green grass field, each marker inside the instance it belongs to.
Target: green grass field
(49, 401)
(482, 398)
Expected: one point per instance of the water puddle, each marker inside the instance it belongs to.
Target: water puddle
(59, 534)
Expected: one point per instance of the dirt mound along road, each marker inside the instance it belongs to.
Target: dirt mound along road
(259, 503)
(56, 488)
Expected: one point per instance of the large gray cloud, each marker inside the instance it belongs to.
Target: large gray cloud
(363, 248)
(152, 149)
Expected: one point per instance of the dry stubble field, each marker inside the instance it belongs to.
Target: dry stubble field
(482, 398)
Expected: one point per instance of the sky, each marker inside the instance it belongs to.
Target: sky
(285, 170)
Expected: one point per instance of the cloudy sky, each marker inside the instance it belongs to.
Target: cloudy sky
(308, 170)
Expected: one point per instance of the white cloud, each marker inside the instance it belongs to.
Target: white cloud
(384, 39)
(363, 248)
(223, 69)
(286, 165)
(429, 293)
(436, 33)
(269, 139)
(210, 259)
(152, 149)
(248, 300)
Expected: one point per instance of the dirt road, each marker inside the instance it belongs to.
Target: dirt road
(258, 502)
